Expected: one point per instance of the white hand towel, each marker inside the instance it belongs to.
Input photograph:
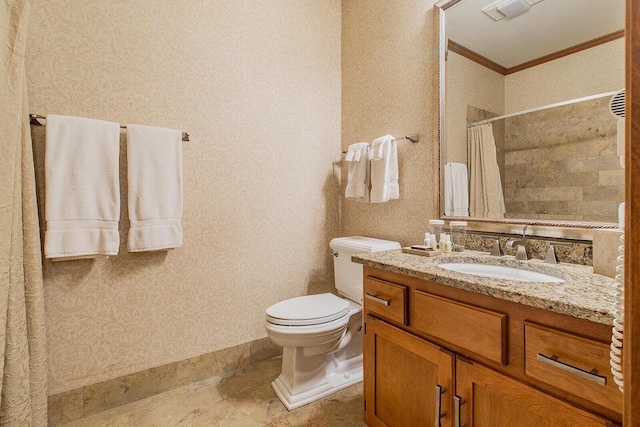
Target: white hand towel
(456, 190)
(154, 161)
(358, 176)
(448, 191)
(81, 187)
(394, 188)
(377, 147)
(384, 165)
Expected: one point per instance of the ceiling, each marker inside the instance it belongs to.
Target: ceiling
(547, 27)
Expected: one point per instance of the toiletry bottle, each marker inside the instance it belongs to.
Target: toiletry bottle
(427, 240)
(447, 243)
(441, 243)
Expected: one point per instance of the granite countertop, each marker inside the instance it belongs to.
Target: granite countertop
(583, 294)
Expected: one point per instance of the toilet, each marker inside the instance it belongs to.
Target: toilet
(321, 335)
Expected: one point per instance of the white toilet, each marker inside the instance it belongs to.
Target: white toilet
(322, 334)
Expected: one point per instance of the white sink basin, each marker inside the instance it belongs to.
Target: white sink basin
(500, 272)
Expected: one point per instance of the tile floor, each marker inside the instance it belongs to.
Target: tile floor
(242, 400)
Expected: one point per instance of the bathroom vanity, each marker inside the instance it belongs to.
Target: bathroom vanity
(443, 348)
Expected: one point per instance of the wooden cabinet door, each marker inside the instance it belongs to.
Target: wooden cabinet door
(402, 374)
(490, 399)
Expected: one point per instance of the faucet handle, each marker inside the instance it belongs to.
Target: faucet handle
(496, 250)
(522, 248)
(550, 258)
(522, 251)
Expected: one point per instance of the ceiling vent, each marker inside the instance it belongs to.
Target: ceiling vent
(508, 8)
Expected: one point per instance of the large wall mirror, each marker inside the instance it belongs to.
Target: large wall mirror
(529, 128)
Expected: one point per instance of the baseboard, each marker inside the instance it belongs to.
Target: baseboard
(90, 399)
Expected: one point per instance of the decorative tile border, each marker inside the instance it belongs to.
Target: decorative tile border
(74, 404)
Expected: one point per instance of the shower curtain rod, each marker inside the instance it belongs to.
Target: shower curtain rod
(34, 119)
(544, 107)
(413, 138)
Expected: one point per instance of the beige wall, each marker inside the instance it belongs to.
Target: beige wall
(468, 84)
(389, 77)
(588, 72)
(258, 86)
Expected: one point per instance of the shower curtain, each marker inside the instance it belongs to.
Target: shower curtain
(23, 396)
(485, 187)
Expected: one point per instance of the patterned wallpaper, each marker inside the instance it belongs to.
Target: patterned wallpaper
(389, 86)
(258, 86)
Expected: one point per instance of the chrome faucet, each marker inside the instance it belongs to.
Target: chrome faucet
(496, 250)
(551, 252)
(521, 245)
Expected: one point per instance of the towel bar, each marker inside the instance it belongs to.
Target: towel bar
(413, 138)
(34, 119)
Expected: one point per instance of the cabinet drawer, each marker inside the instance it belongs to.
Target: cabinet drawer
(472, 328)
(575, 364)
(387, 299)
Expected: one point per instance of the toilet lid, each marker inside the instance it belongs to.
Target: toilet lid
(308, 310)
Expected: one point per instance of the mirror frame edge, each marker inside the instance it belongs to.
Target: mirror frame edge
(578, 230)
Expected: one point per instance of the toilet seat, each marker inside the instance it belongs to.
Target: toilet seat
(308, 310)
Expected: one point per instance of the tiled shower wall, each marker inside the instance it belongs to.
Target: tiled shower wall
(562, 164)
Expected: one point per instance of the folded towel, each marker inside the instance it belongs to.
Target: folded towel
(358, 177)
(448, 191)
(394, 188)
(377, 147)
(82, 189)
(154, 162)
(456, 190)
(384, 170)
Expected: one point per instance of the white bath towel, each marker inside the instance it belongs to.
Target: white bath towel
(82, 189)
(456, 190)
(384, 170)
(358, 174)
(154, 169)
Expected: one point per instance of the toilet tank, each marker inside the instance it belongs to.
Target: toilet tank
(348, 275)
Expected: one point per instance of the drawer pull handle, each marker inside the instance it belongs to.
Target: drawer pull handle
(378, 299)
(439, 391)
(553, 361)
(458, 403)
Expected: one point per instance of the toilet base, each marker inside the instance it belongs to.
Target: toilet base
(339, 374)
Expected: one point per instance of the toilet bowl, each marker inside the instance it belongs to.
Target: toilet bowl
(321, 335)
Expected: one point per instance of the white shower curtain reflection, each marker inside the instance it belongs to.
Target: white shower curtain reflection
(485, 186)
